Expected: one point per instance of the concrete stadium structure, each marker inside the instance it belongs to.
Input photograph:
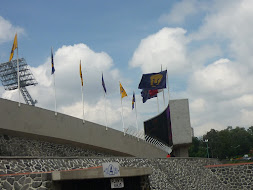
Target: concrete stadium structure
(32, 132)
(41, 151)
(179, 121)
(43, 124)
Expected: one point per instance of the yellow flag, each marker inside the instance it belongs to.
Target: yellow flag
(81, 73)
(122, 91)
(14, 46)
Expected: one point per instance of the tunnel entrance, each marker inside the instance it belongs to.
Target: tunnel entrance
(94, 178)
(130, 183)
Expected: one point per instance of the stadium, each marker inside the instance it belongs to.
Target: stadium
(40, 149)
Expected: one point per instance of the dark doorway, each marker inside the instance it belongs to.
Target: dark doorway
(130, 183)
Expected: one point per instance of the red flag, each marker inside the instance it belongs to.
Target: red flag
(153, 92)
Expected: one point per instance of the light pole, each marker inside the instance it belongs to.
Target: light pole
(235, 149)
(206, 140)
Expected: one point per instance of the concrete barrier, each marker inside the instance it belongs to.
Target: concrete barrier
(42, 124)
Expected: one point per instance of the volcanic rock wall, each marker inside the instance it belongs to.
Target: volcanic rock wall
(167, 173)
(22, 146)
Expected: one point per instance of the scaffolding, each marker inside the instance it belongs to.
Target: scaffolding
(8, 76)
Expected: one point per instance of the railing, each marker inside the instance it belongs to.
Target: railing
(145, 138)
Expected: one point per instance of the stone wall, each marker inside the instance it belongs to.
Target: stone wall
(167, 173)
(234, 176)
(39, 181)
(21, 146)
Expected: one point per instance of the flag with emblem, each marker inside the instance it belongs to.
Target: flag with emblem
(122, 91)
(153, 81)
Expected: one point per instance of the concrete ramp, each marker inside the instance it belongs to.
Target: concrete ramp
(42, 124)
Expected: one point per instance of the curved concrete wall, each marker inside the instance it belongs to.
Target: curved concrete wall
(180, 126)
(42, 124)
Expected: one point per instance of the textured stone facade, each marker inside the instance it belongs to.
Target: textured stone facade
(238, 176)
(172, 173)
(167, 173)
(20, 146)
(33, 171)
(40, 181)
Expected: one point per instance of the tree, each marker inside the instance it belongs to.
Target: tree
(223, 144)
(197, 149)
(213, 142)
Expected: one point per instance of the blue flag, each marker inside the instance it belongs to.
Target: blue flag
(52, 60)
(103, 83)
(133, 101)
(153, 81)
(147, 94)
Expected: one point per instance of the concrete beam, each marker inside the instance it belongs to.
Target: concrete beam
(98, 173)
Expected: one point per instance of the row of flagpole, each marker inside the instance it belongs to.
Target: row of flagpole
(15, 46)
(122, 91)
(122, 95)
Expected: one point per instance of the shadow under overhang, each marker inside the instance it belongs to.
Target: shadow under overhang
(96, 173)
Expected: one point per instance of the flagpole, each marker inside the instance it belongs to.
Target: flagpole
(122, 113)
(136, 118)
(167, 80)
(55, 108)
(163, 90)
(81, 76)
(82, 102)
(163, 99)
(54, 96)
(18, 79)
(157, 102)
(104, 90)
(122, 117)
(106, 127)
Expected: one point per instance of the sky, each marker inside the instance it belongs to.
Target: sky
(206, 47)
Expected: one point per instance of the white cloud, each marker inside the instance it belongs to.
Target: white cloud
(245, 100)
(96, 113)
(219, 92)
(201, 55)
(217, 57)
(166, 48)
(68, 87)
(219, 89)
(180, 11)
(230, 23)
(225, 85)
(207, 126)
(198, 105)
(246, 117)
(227, 19)
(186, 10)
(7, 30)
(219, 78)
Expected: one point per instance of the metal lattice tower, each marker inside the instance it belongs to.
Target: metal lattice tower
(8, 76)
